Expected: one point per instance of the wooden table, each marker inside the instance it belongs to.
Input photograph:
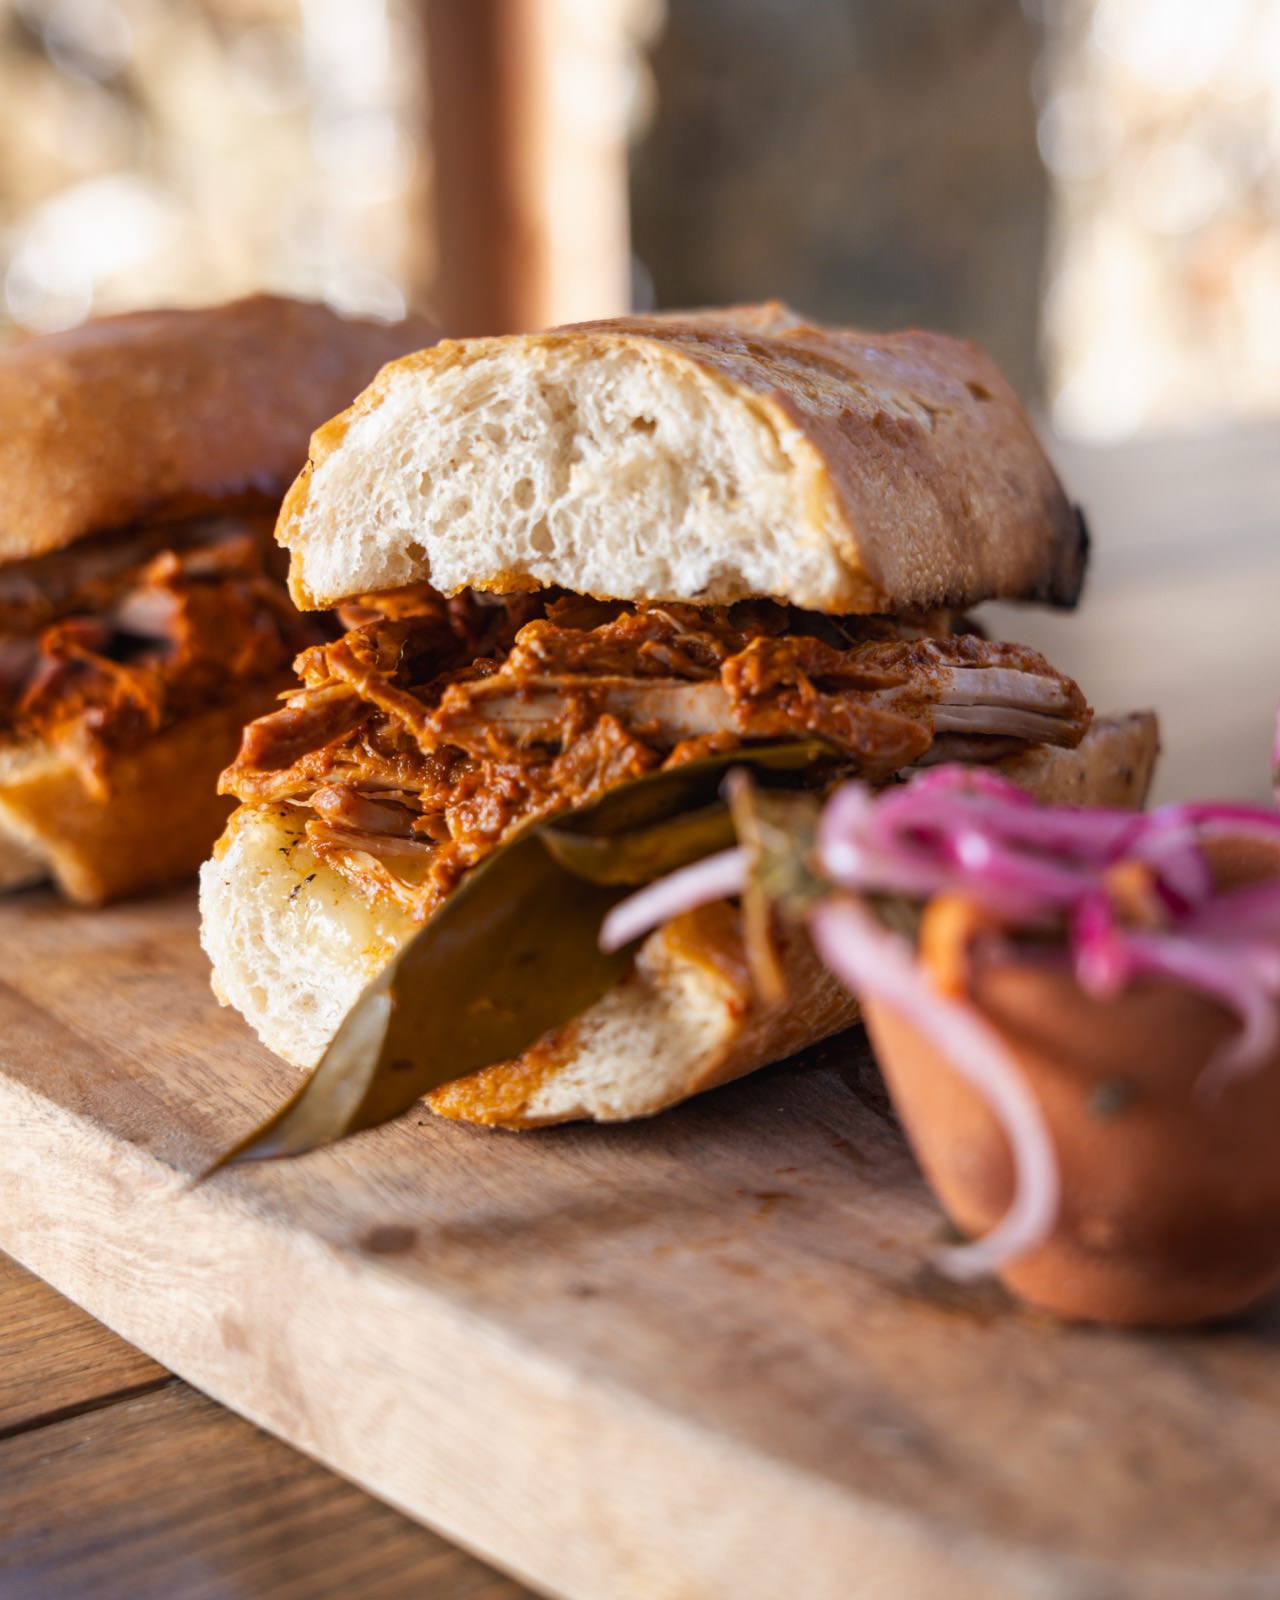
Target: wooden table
(119, 1482)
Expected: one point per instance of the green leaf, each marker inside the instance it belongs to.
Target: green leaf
(514, 951)
(645, 853)
(784, 835)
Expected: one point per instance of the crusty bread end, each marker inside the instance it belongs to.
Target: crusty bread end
(1113, 767)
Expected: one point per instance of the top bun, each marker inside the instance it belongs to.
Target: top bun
(708, 457)
(160, 415)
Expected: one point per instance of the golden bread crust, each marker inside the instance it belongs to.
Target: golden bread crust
(20, 866)
(947, 497)
(154, 826)
(161, 415)
(1112, 767)
(701, 954)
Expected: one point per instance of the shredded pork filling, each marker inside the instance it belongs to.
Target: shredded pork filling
(106, 642)
(433, 728)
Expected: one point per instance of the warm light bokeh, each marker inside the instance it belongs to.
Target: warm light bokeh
(180, 151)
(1160, 126)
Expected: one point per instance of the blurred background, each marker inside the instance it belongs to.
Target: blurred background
(1089, 188)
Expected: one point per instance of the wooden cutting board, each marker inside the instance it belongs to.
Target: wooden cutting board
(689, 1359)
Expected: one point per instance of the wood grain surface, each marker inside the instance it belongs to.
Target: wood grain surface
(166, 1496)
(55, 1360)
(690, 1357)
(110, 1499)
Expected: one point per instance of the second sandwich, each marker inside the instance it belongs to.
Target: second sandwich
(143, 612)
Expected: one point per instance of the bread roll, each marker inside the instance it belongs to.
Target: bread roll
(156, 416)
(119, 430)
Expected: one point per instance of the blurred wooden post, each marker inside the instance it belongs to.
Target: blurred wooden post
(528, 133)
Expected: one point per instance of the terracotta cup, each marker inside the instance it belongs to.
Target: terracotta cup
(1170, 1206)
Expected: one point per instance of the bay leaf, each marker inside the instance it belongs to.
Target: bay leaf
(514, 951)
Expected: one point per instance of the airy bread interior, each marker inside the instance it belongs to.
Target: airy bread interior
(611, 468)
(293, 944)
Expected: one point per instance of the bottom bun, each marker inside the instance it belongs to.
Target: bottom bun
(20, 866)
(1112, 766)
(152, 827)
(293, 945)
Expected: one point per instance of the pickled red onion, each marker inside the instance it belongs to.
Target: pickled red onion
(713, 878)
(880, 965)
(1036, 867)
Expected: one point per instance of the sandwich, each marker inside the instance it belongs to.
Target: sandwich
(144, 617)
(566, 561)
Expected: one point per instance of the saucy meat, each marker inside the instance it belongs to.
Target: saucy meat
(432, 728)
(106, 642)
